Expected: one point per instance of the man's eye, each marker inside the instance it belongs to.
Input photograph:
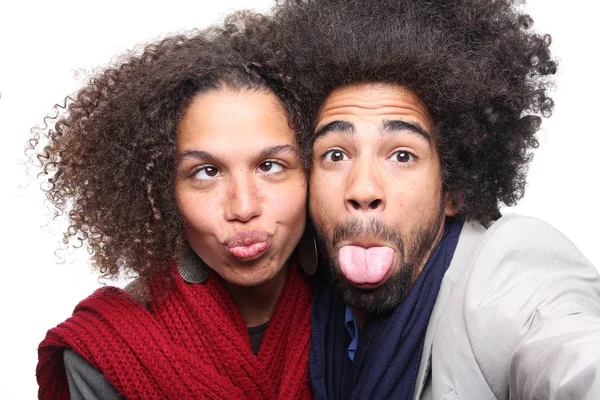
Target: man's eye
(335, 156)
(271, 167)
(403, 156)
(207, 172)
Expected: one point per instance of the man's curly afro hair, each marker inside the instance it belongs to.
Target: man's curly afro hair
(109, 157)
(476, 64)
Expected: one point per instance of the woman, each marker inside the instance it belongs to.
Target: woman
(181, 165)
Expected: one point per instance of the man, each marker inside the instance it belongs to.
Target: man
(424, 114)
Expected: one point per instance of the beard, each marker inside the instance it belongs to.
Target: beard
(412, 251)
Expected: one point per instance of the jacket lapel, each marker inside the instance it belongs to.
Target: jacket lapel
(469, 236)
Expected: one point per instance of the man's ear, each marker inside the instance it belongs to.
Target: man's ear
(453, 202)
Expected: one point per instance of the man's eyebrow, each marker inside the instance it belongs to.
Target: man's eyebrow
(399, 125)
(336, 126)
(264, 153)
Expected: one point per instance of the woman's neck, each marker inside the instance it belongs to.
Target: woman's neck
(257, 303)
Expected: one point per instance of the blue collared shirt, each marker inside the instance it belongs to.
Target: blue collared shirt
(352, 329)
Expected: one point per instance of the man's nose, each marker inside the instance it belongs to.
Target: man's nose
(243, 199)
(364, 190)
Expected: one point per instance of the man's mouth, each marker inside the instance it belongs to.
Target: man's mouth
(365, 265)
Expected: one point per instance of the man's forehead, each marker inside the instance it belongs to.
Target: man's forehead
(373, 101)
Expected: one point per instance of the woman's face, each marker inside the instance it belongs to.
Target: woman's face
(239, 185)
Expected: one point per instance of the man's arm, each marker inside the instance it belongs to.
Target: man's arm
(559, 354)
(539, 302)
(560, 359)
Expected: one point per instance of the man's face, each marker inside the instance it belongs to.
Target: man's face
(376, 195)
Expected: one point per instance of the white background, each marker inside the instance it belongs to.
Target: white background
(46, 49)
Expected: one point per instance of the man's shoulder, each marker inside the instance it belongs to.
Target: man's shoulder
(521, 256)
(515, 228)
(518, 230)
(531, 241)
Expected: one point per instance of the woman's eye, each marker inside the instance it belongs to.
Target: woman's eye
(271, 167)
(207, 172)
(403, 156)
(335, 156)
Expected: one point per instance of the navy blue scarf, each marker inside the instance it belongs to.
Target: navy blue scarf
(390, 345)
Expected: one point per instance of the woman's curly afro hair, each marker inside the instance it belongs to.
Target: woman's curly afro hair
(110, 156)
(476, 64)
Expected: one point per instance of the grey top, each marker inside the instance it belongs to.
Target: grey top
(85, 381)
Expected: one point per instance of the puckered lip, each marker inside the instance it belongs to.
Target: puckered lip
(248, 244)
(246, 237)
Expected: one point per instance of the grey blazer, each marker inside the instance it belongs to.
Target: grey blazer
(517, 317)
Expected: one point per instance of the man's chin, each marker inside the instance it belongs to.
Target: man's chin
(380, 297)
(369, 300)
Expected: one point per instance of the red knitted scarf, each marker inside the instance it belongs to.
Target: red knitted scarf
(193, 345)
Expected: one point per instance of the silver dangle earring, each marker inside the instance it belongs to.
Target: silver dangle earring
(306, 251)
(191, 267)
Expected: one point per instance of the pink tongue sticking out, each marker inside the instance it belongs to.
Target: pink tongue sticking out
(365, 265)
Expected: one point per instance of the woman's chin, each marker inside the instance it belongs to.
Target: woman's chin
(253, 277)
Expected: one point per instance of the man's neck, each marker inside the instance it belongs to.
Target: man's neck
(360, 316)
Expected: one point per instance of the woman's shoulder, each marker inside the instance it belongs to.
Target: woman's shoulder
(138, 291)
(134, 293)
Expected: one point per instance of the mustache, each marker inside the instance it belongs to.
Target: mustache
(372, 227)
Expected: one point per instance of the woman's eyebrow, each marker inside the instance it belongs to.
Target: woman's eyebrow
(274, 150)
(213, 159)
(198, 155)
